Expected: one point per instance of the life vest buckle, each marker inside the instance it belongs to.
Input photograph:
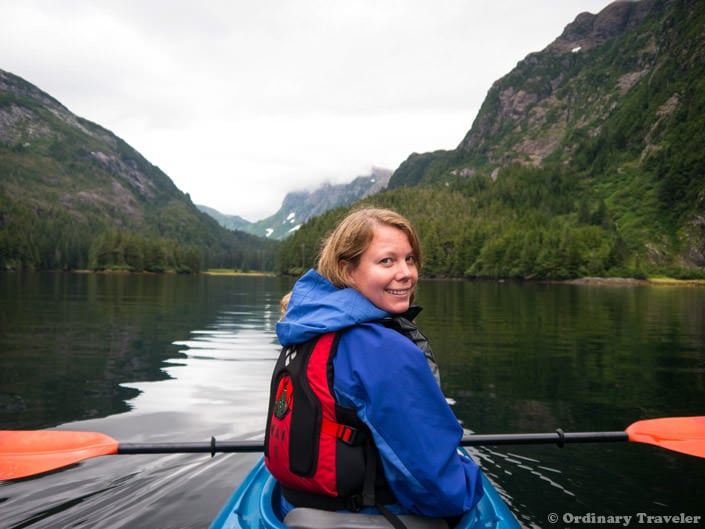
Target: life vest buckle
(350, 436)
(347, 434)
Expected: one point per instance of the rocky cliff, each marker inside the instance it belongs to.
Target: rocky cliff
(617, 102)
(528, 113)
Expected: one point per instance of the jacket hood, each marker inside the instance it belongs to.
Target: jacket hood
(317, 306)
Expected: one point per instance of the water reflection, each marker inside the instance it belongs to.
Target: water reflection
(532, 358)
(636, 346)
(77, 347)
(223, 372)
(209, 346)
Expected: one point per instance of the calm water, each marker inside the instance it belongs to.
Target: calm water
(152, 358)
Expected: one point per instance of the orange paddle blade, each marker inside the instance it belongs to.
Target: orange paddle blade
(680, 434)
(25, 453)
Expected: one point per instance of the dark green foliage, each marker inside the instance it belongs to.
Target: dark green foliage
(529, 223)
(118, 249)
(411, 172)
(45, 232)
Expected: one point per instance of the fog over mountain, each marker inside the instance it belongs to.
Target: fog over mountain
(299, 206)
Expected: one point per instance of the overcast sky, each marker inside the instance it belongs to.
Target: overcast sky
(240, 102)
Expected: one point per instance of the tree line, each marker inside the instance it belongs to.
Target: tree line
(52, 239)
(530, 223)
(527, 223)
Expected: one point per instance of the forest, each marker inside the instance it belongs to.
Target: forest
(52, 239)
(528, 223)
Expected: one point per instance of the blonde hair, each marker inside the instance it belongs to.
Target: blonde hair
(351, 238)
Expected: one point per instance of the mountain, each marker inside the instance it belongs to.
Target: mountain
(74, 195)
(230, 222)
(587, 158)
(298, 207)
(602, 70)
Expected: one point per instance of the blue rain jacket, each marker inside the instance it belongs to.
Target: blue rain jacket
(386, 379)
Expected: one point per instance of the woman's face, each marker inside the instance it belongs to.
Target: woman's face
(386, 273)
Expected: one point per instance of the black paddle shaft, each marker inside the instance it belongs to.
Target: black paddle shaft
(559, 437)
(211, 447)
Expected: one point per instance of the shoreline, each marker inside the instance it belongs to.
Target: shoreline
(624, 281)
(591, 281)
(216, 272)
(236, 273)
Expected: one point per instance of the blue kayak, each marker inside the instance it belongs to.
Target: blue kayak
(252, 506)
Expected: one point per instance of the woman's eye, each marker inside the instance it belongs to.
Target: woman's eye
(390, 260)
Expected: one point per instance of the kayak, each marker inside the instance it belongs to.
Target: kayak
(253, 506)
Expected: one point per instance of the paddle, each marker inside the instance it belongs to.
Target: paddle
(26, 453)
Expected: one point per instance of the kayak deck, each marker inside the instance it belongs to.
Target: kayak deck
(252, 506)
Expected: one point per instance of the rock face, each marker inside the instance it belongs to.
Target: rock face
(617, 102)
(89, 166)
(588, 30)
(528, 112)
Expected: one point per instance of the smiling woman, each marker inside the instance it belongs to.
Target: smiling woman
(352, 357)
(386, 272)
(377, 252)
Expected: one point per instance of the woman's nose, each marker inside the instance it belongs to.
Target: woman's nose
(403, 270)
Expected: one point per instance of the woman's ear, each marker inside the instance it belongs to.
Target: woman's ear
(344, 271)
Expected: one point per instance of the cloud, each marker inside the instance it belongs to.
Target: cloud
(241, 102)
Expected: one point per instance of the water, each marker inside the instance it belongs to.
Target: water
(171, 358)
(533, 357)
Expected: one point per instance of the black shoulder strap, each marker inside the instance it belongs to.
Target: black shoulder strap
(403, 324)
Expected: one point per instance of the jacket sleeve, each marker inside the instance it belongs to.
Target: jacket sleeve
(386, 378)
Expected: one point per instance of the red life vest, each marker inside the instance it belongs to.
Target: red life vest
(317, 449)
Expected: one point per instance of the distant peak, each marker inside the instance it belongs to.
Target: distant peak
(589, 30)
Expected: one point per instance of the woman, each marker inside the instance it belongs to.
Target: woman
(357, 418)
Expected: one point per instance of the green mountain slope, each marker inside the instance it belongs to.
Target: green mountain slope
(587, 158)
(74, 195)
